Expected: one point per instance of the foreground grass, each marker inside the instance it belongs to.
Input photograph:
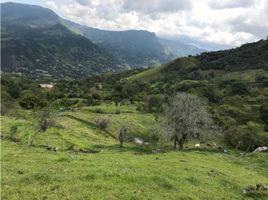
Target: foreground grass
(35, 173)
(128, 173)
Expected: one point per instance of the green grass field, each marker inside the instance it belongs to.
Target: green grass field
(132, 172)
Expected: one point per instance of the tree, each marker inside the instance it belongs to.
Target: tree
(264, 115)
(44, 120)
(154, 103)
(122, 135)
(30, 100)
(186, 117)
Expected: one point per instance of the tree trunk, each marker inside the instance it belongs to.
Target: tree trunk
(121, 144)
(175, 143)
(176, 139)
(181, 144)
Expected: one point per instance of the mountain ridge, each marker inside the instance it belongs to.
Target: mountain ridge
(129, 49)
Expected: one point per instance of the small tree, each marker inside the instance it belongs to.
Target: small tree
(122, 135)
(44, 120)
(103, 123)
(186, 117)
(154, 103)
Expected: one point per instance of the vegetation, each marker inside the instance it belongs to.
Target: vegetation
(186, 118)
(61, 142)
(34, 42)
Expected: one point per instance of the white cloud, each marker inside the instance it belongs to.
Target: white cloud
(230, 3)
(153, 6)
(223, 22)
(52, 5)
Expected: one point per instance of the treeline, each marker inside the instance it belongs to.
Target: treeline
(239, 106)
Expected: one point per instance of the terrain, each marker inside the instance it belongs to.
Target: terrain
(42, 52)
(60, 132)
(131, 172)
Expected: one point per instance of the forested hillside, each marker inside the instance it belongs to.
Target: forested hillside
(111, 51)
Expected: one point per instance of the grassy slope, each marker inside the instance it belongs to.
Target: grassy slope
(155, 73)
(30, 173)
(128, 173)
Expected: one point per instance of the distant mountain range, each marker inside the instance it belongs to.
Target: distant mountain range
(35, 40)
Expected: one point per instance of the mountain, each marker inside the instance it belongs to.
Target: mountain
(135, 48)
(38, 45)
(180, 49)
(251, 56)
(23, 15)
(248, 56)
(29, 28)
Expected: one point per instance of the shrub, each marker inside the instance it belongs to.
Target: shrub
(12, 134)
(103, 123)
(98, 110)
(141, 107)
(155, 103)
(239, 87)
(89, 100)
(246, 137)
(29, 100)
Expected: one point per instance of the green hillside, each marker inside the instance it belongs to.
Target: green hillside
(113, 135)
(132, 172)
(53, 51)
(113, 50)
(247, 57)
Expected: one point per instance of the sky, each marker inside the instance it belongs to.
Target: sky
(211, 24)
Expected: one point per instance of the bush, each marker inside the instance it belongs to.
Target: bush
(89, 100)
(98, 110)
(155, 103)
(247, 137)
(141, 107)
(29, 100)
(239, 87)
(103, 123)
(12, 134)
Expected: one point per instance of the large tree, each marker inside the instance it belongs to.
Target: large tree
(186, 117)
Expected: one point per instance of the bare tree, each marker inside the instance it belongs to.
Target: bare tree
(122, 135)
(186, 117)
(44, 120)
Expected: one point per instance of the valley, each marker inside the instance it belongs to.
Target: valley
(88, 113)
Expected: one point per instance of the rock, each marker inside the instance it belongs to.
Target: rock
(156, 150)
(138, 141)
(225, 151)
(261, 149)
(248, 189)
(146, 143)
(89, 151)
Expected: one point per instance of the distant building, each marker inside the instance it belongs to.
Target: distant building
(46, 85)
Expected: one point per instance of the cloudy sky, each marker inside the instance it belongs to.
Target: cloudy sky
(212, 24)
